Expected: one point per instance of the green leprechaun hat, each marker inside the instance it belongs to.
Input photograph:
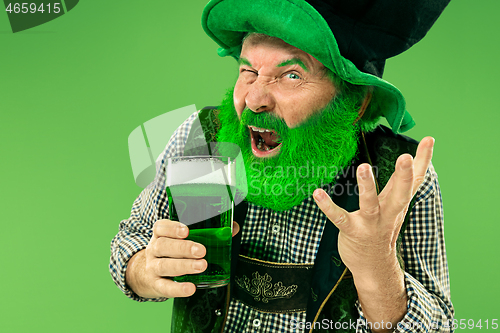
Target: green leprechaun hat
(353, 38)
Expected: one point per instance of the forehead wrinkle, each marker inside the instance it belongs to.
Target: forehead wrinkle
(300, 54)
(294, 53)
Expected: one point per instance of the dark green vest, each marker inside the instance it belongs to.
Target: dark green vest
(332, 291)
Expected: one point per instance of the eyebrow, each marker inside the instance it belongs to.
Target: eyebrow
(244, 61)
(293, 61)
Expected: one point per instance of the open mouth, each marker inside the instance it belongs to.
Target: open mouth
(265, 142)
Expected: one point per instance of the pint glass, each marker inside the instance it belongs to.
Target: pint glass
(200, 195)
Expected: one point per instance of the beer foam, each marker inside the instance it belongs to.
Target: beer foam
(200, 171)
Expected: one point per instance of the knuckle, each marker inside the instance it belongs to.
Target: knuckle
(166, 267)
(158, 267)
(401, 217)
(158, 287)
(173, 248)
(162, 227)
(159, 246)
(156, 226)
(168, 288)
(161, 286)
(406, 177)
(153, 247)
(179, 248)
(398, 207)
(173, 267)
(419, 180)
(150, 249)
(402, 202)
(328, 211)
(148, 253)
(185, 247)
(341, 219)
(365, 189)
(372, 211)
(334, 215)
(152, 266)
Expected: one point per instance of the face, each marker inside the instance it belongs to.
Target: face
(294, 132)
(311, 154)
(279, 79)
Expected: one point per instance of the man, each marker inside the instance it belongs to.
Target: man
(292, 107)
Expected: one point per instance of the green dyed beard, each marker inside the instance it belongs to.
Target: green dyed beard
(311, 155)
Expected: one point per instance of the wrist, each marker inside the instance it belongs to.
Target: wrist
(382, 294)
(373, 276)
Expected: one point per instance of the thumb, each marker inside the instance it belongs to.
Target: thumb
(334, 213)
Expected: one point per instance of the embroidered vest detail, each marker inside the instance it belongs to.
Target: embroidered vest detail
(272, 287)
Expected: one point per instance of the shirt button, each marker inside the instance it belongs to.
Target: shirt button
(276, 228)
(256, 323)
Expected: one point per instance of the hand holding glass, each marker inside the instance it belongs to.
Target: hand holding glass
(200, 195)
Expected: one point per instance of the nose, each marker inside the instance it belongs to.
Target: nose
(259, 97)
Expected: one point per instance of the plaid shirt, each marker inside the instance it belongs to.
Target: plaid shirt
(284, 237)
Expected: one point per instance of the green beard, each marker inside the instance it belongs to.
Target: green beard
(311, 154)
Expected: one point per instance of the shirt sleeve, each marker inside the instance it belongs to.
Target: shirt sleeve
(429, 308)
(151, 205)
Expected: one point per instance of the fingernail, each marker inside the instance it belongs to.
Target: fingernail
(196, 251)
(198, 266)
(407, 164)
(187, 289)
(182, 230)
(364, 174)
(318, 195)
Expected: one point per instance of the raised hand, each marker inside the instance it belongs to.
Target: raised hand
(369, 234)
(367, 237)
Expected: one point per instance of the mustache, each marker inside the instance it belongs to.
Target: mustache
(267, 120)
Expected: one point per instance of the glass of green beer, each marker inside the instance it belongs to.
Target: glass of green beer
(200, 194)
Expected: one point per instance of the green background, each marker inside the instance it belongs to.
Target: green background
(73, 89)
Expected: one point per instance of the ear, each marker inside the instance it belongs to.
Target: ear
(364, 105)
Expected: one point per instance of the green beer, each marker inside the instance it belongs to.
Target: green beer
(207, 210)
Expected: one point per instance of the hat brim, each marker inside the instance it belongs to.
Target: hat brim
(299, 24)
